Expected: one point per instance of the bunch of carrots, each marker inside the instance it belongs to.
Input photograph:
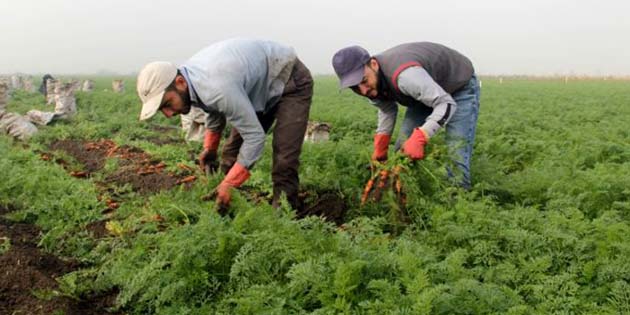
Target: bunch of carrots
(383, 178)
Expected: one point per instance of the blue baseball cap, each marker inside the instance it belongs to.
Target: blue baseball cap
(349, 65)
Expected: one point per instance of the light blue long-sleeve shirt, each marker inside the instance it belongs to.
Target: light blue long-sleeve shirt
(233, 80)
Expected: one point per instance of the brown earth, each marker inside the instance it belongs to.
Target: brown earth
(93, 159)
(26, 270)
(328, 205)
(142, 183)
(137, 168)
(97, 229)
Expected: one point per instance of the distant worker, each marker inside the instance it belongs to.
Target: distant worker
(437, 85)
(43, 86)
(249, 84)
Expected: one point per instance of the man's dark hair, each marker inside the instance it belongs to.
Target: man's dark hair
(171, 87)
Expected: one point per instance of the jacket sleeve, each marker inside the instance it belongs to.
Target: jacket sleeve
(387, 113)
(418, 84)
(237, 109)
(215, 121)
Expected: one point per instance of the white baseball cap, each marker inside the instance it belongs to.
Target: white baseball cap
(153, 80)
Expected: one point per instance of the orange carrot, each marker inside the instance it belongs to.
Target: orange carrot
(366, 190)
(145, 171)
(185, 167)
(187, 179)
(383, 180)
(79, 174)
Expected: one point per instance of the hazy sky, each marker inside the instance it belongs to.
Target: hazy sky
(499, 36)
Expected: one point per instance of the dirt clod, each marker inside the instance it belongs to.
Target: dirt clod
(325, 204)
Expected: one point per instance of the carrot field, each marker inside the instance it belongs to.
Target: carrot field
(103, 213)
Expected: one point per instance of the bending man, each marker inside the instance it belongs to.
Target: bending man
(249, 84)
(437, 85)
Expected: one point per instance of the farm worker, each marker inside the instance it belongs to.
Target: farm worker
(249, 84)
(42, 87)
(437, 85)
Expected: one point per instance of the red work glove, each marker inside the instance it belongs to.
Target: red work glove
(208, 157)
(234, 178)
(381, 143)
(414, 146)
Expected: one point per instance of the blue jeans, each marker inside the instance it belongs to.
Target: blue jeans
(460, 130)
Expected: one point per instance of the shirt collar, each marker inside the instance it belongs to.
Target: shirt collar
(194, 98)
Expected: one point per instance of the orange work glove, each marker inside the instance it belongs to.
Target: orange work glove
(414, 146)
(234, 178)
(208, 157)
(381, 143)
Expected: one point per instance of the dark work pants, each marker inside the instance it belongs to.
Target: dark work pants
(291, 117)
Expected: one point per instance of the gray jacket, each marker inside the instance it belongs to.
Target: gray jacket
(420, 74)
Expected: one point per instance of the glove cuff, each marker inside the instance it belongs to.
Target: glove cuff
(421, 135)
(381, 143)
(237, 175)
(211, 140)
